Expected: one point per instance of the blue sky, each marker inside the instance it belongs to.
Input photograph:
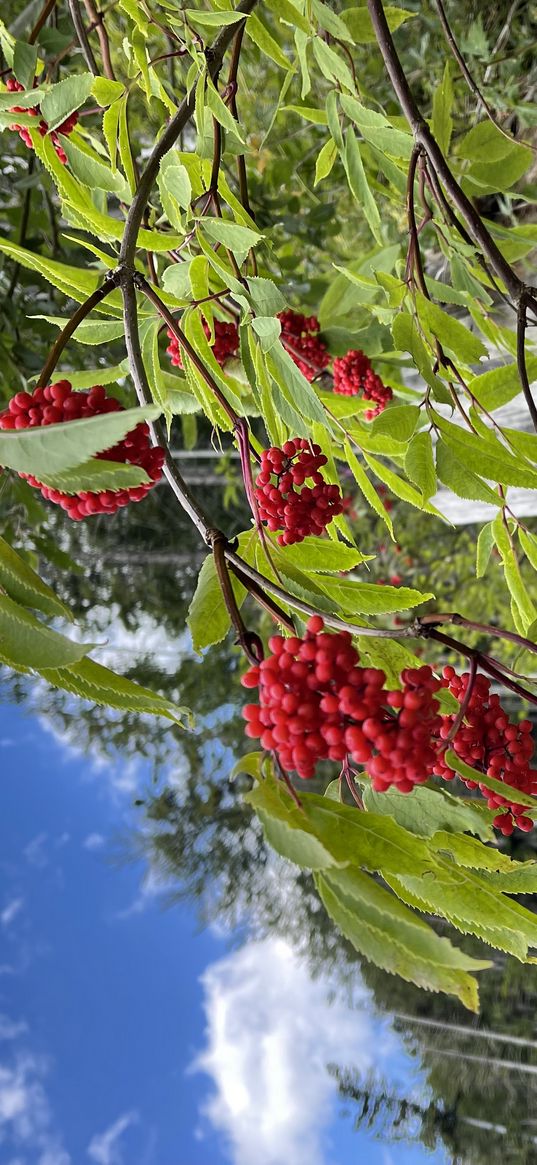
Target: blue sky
(128, 1036)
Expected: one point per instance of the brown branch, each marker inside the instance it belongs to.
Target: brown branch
(248, 640)
(522, 324)
(486, 628)
(96, 19)
(82, 37)
(423, 136)
(46, 10)
(214, 56)
(111, 281)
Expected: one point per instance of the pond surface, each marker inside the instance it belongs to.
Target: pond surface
(128, 1033)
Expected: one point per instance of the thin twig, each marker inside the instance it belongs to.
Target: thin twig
(97, 22)
(78, 23)
(472, 85)
(111, 281)
(41, 20)
(168, 138)
(522, 324)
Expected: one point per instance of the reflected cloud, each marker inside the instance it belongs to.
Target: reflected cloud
(10, 912)
(104, 1147)
(34, 852)
(11, 1029)
(93, 841)
(25, 1115)
(271, 1032)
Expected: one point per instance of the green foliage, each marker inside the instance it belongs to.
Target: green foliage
(286, 183)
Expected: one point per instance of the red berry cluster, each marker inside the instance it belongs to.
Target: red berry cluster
(317, 703)
(65, 128)
(299, 335)
(226, 343)
(489, 742)
(296, 512)
(57, 404)
(353, 374)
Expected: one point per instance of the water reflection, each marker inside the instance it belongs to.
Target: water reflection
(295, 1023)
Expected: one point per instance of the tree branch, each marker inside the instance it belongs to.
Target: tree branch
(87, 51)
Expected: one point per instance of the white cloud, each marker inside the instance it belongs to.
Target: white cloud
(93, 841)
(11, 1029)
(25, 1115)
(9, 913)
(151, 888)
(34, 851)
(271, 1032)
(104, 1148)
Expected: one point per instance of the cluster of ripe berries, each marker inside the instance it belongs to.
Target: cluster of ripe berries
(57, 404)
(317, 703)
(226, 343)
(488, 741)
(300, 335)
(65, 128)
(354, 375)
(285, 503)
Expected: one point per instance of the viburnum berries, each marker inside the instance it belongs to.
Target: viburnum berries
(65, 128)
(57, 404)
(226, 343)
(317, 703)
(299, 335)
(353, 374)
(282, 504)
(489, 742)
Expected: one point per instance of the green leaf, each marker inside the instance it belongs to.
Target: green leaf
(513, 577)
(220, 110)
(456, 337)
(259, 33)
(389, 935)
(425, 811)
(74, 281)
(499, 386)
(208, 618)
(90, 332)
(54, 448)
(320, 556)
(332, 66)
(485, 143)
(330, 21)
(491, 783)
(345, 835)
(356, 177)
(359, 23)
(65, 97)
(286, 827)
(419, 464)
(26, 642)
(368, 490)
(91, 681)
(290, 13)
(317, 116)
(97, 475)
(325, 161)
(294, 386)
(239, 239)
(267, 329)
(528, 542)
(469, 853)
(267, 299)
(467, 900)
(26, 99)
(111, 118)
(214, 19)
(93, 173)
(407, 339)
(24, 63)
(442, 122)
(302, 40)
(376, 128)
(453, 469)
(400, 488)
(106, 92)
(487, 455)
(485, 542)
(398, 422)
(25, 586)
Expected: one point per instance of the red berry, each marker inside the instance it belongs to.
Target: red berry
(299, 335)
(284, 506)
(30, 410)
(353, 374)
(226, 343)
